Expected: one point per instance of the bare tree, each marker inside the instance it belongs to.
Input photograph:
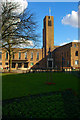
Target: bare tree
(17, 29)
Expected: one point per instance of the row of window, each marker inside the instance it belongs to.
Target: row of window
(26, 55)
(76, 63)
(76, 54)
(20, 65)
(20, 55)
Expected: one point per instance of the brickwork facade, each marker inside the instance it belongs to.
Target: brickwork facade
(63, 57)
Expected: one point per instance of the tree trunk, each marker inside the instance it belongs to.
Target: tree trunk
(10, 61)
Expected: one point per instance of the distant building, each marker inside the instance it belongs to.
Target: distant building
(50, 56)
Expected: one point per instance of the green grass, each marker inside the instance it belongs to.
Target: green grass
(18, 85)
(46, 106)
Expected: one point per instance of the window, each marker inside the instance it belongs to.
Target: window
(25, 65)
(76, 62)
(49, 23)
(31, 55)
(25, 55)
(50, 64)
(13, 65)
(19, 65)
(74, 45)
(76, 53)
(0, 55)
(37, 55)
(13, 56)
(19, 55)
(6, 63)
(0, 63)
(48, 17)
(32, 63)
(6, 55)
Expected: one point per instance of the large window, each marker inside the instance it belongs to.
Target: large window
(0, 55)
(19, 55)
(37, 55)
(76, 53)
(76, 62)
(25, 55)
(19, 65)
(6, 55)
(13, 65)
(31, 55)
(25, 65)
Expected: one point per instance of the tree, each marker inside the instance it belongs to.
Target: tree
(16, 29)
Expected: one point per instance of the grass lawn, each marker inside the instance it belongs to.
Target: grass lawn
(19, 85)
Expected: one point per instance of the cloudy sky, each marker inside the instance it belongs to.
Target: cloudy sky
(65, 19)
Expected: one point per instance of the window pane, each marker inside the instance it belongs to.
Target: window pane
(6, 55)
(13, 65)
(49, 23)
(76, 53)
(19, 65)
(74, 45)
(76, 62)
(25, 55)
(37, 55)
(25, 65)
(49, 63)
(19, 55)
(31, 55)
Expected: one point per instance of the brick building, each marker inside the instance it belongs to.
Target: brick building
(50, 56)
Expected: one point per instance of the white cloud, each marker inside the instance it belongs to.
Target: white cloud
(76, 40)
(72, 19)
(22, 4)
(29, 43)
(69, 42)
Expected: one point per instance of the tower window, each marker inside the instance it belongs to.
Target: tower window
(48, 17)
(76, 53)
(49, 23)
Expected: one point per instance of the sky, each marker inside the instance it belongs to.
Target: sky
(66, 26)
(65, 19)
